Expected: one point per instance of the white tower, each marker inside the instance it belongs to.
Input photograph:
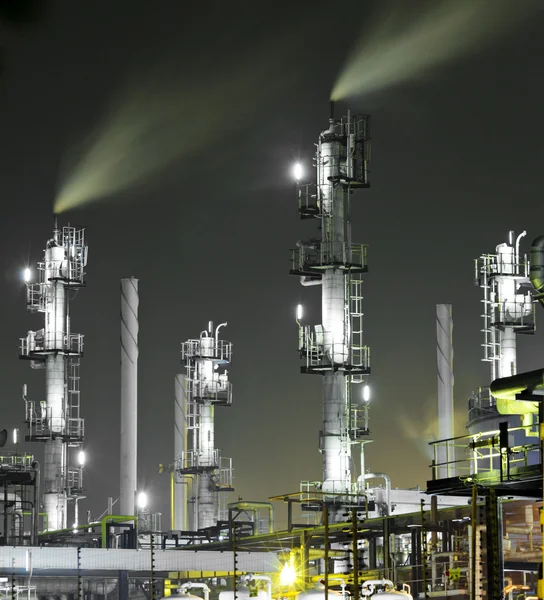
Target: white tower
(335, 348)
(206, 385)
(508, 311)
(56, 420)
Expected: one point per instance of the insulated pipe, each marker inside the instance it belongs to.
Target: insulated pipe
(536, 272)
(129, 395)
(387, 480)
(180, 447)
(255, 506)
(444, 359)
(506, 389)
(185, 587)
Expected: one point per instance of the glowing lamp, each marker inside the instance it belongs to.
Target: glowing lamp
(288, 574)
(299, 312)
(298, 171)
(142, 500)
(81, 458)
(27, 274)
(366, 393)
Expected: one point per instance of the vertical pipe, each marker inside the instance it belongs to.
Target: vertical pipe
(326, 547)
(444, 358)
(129, 394)
(180, 447)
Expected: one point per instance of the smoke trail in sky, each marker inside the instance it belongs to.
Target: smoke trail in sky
(414, 38)
(159, 119)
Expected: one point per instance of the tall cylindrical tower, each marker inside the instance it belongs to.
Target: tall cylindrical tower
(335, 348)
(56, 421)
(206, 385)
(508, 311)
(180, 447)
(444, 364)
(129, 395)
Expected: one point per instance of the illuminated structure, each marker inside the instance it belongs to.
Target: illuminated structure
(204, 386)
(56, 420)
(334, 349)
(508, 311)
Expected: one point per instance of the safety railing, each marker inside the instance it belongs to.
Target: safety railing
(192, 460)
(314, 257)
(308, 200)
(220, 350)
(319, 353)
(16, 461)
(74, 480)
(42, 425)
(481, 455)
(38, 343)
(214, 391)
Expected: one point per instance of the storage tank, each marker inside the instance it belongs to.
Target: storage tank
(242, 593)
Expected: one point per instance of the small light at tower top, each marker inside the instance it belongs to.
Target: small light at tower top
(27, 274)
(366, 393)
(298, 171)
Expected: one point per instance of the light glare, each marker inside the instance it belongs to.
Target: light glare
(15, 436)
(366, 393)
(81, 458)
(299, 312)
(298, 171)
(288, 574)
(27, 274)
(142, 500)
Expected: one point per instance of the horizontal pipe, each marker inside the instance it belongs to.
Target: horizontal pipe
(52, 586)
(536, 271)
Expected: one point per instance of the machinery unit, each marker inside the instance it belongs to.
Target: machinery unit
(56, 420)
(205, 385)
(335, 348)
(509, 310)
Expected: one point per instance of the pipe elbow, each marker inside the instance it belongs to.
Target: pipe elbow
(536, 271)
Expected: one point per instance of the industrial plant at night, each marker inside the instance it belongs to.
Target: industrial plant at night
(473, 531)
(240, 481)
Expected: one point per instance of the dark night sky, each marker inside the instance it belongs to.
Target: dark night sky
(457, 162)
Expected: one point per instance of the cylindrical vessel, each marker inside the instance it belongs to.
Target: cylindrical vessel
(444, 359)
(180, 446)
(129, 395)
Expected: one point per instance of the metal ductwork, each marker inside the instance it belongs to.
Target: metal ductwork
(58, 586)
(536, 272)
(508, 389)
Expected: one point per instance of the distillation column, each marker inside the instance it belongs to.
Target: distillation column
(56, 421)
(206, 385)
(508, 311)
(334, 349)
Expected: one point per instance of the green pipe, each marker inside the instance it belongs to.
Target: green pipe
(28, 513)
(103, 524)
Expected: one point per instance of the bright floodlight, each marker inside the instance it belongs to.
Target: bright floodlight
(81, 458)
(366, 393)
(299, 312)
(142, 500)
(288, 574)
(15, 436)
(298, 171)
(27, 273)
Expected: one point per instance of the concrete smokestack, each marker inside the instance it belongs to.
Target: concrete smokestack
(180, 446)
(444, 358)
(129, 395)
